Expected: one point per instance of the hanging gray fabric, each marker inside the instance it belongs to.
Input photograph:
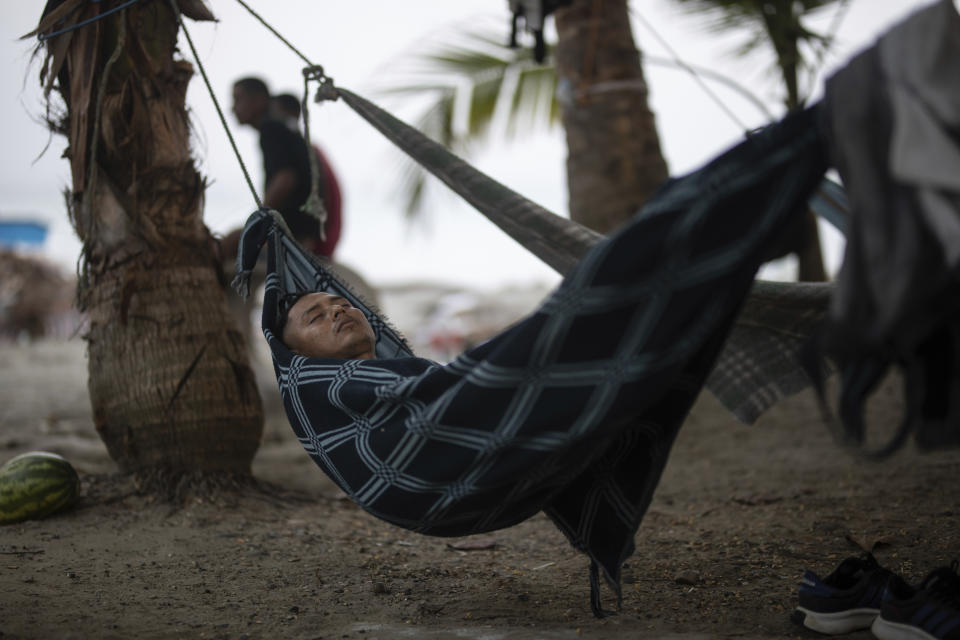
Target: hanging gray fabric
(892, 118)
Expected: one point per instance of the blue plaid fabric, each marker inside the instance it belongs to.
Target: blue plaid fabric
(573, 410)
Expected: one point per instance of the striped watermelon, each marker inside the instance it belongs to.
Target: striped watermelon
(36, 484)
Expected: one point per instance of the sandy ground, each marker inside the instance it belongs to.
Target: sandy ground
(740, 513)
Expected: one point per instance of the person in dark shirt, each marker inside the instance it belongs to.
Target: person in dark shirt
(286, 160)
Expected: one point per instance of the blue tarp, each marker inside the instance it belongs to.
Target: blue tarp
(22, 232)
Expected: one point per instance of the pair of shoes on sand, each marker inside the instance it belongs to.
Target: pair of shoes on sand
(860, 594)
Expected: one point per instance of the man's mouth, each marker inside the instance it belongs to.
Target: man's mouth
(343, 323)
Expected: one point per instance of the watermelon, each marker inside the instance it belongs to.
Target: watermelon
(36, 484)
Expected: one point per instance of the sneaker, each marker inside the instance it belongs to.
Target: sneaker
(930, 611)
(846, 600)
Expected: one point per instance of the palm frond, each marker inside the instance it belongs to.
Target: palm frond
(733, 15)
(475, 70)
(534, 101)
(775, 23)
(462, 62)
(435, 122)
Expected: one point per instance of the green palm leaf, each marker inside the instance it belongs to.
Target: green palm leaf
(479, 69)
(777, 23)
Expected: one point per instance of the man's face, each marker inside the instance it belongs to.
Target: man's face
(321, 325)
(248, 106)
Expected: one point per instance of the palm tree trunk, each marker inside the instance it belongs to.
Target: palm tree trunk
(169, 381)
(784, 29)
(612, 141)
(170, 384)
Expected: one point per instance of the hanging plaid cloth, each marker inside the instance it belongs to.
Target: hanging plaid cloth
(571, 411)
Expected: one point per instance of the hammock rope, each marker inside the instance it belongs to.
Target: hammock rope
(689, 69)
(314, 204)
(279, 36)
(83, 23)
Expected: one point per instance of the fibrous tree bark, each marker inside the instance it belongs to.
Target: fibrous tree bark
(169, 379)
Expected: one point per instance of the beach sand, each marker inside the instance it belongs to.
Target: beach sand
(740, 513)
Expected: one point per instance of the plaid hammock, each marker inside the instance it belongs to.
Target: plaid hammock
(571, 411)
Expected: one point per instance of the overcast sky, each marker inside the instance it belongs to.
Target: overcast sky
(356, 43)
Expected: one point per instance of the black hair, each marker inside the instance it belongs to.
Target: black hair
(254, 85)
(287, 301)
(289, 103)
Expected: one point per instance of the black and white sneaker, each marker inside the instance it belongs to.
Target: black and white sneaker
(930, 611)
(846, 600)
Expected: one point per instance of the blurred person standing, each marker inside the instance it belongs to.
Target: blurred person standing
(286, 160)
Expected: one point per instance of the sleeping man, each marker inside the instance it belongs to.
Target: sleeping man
(571, 411)
(322, 325)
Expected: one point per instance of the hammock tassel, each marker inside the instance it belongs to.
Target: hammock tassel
(595, 606)
(241, 284)
(255, 234)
